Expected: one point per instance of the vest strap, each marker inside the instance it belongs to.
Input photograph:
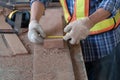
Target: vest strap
(106, 25)
(81, 9)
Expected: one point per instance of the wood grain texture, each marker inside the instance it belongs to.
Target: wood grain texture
(78, 62)
(15, 44)
(52, 25)
(12, 39)
(4, 49)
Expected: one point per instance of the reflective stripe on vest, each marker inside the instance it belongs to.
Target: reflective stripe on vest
(81, 9)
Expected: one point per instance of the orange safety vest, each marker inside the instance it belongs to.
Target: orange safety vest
(81, 9)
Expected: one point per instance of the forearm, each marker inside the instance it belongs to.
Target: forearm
(37, 10)
(107, 8)
(99, 15)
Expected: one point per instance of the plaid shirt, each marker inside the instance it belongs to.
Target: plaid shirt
(97, 46)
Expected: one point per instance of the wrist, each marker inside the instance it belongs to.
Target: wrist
(33, 24)
(99, 15)
(88, 22)
(33, 21)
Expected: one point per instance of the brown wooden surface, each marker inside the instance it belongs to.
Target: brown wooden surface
(12, 39)
(22, 6)
(15, 44)
(52, 25)
(19, 67)
(54, 43)
(78, 62)
(52, 63)
(4, 49)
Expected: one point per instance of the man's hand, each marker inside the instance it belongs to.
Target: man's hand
(78, 30)
(35, 33)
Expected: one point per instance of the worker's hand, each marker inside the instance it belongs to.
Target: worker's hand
(35, 33)
(77, 30)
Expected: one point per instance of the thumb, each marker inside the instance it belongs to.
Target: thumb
(42, 33)
(68, 28)
(67, 37)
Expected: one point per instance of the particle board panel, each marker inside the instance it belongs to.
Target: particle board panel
(45, 58)
(52, 64)
(54, 43)
(12, 39)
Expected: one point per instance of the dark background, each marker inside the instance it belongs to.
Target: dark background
(55, 0)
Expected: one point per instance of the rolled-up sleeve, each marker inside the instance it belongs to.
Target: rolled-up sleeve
(118, 4)
(110, 5)
(43, 1)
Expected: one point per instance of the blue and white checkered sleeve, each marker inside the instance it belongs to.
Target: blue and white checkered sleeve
(118, 4)
(110, 5)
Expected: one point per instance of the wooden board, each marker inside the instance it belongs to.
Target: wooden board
(78, 62)
(22, 6)
(13, 41)
(4, 49)
(15, 44)
(55, 27)
(51, 61)
(52, 64)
